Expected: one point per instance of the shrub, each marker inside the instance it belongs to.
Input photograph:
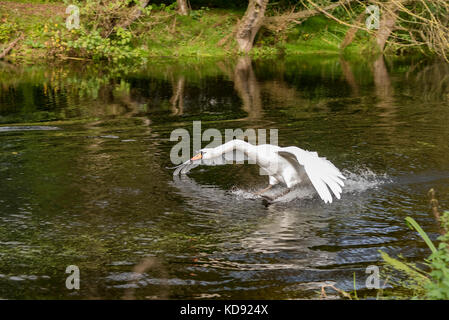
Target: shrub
(438, 288)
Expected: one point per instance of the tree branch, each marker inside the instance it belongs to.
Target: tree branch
(10, 47)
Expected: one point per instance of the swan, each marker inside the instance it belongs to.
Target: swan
(288, 166)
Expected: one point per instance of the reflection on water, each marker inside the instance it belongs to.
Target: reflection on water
(90, 187)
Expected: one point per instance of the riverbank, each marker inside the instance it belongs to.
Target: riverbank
(160, 32)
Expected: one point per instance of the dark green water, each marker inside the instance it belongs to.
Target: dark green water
(96, 193)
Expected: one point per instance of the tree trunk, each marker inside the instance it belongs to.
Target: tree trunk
(250, 24)
(177, 99)
(350, 34)
(386, 24)
(349, 76)
(183, 7)
(387, 110)
(247, 86)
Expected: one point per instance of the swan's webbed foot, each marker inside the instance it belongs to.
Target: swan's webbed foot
(266, 202)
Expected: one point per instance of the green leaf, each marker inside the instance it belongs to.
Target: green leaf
(414, 225)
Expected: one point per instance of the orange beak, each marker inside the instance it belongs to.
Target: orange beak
(197, 157)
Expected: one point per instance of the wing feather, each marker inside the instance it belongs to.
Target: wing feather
(322, 173)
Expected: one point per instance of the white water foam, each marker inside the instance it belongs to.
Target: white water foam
(363, 179)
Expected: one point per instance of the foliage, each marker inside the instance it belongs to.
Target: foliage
(208, 30)
(116, 48)
(414, 225)
(159, 31)
(198, 14)
(439, 287)
(7, 30)
(424, 23)
(413, 279)
(100, 36)
(433, 284)
(169, 8)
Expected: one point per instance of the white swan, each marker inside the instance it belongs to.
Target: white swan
(288, 166)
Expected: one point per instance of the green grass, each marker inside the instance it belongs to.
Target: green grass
(189, 36)
(320, 35)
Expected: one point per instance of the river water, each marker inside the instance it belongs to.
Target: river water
(90, 186)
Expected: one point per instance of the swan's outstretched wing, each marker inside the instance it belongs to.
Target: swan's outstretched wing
(321, 172)
(226, 158)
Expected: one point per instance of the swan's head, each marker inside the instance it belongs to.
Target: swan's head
(205, 154)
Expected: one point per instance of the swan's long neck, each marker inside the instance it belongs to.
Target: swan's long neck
(239, 145)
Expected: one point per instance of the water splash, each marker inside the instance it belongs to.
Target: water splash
(357, 181)
(362, 179)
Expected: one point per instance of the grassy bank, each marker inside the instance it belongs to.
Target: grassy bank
(160, 32)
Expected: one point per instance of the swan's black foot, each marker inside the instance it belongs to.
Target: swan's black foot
(266, 200)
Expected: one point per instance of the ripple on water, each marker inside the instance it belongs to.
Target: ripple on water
(28, 128)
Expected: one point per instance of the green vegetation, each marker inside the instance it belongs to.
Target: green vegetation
(438, 288)
(133, 31)
(159, 31)
(323, 36)
(422, 284)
